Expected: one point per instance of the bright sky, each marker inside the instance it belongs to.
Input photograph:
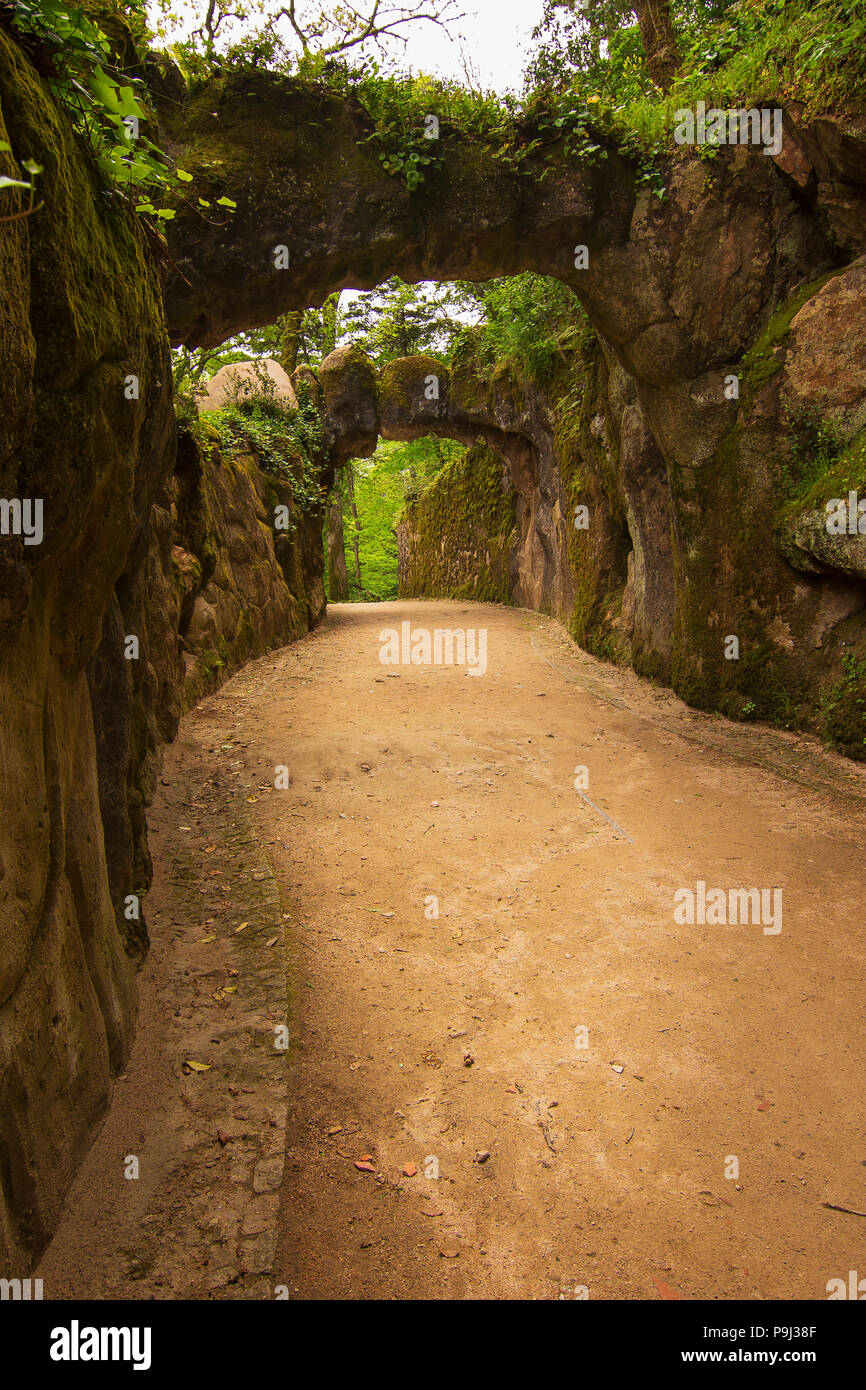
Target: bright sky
(493, 34)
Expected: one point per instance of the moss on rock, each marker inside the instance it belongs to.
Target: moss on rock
(456, 538)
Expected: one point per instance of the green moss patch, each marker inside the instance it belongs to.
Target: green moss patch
(462, 530)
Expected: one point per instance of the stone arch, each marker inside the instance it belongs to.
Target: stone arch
(677, 288)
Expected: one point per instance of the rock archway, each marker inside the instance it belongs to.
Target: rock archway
(748, 268)
(687, 294)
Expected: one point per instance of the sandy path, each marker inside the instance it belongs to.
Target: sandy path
(427, 1041)
(726, 1040)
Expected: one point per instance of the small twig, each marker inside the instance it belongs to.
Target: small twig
(27, 212)
(834, 1206)
(544, 1126)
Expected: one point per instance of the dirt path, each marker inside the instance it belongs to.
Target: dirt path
(433, 1041)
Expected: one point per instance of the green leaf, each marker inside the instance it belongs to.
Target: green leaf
(226, 203)
(12, 183)
(31, 166)
(183, 175)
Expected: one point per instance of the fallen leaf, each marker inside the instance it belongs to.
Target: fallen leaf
(409, 1170)
(205, 940)
(198, 1066)
(665, 1289)
(364, 1167)
(450, 1253)
(241, 927)
(765, 1105)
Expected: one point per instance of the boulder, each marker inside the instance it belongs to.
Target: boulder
(239, 381)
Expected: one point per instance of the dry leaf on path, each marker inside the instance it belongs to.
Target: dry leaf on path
(665, 1289)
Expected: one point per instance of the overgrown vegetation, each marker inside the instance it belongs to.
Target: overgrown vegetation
(589, 85)
(108, 107)
(287, 443)
(823, 464)
(529, 323)
(844, 708)
(729, 52)
(397, 474)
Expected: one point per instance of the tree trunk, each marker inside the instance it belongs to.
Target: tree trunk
(350, 491)
(291, 340)
(338, 579)
(330, 310)
(659, 40)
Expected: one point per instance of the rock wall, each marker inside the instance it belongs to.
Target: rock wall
(80, 311)
(661, 565)
(458, 539)
(703, 506)
(173, 545)
(693, 542)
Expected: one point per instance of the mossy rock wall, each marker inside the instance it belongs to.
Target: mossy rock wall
(241, 584)
(457, 539)
(140, 541)
(80, 310)
(682, 529)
